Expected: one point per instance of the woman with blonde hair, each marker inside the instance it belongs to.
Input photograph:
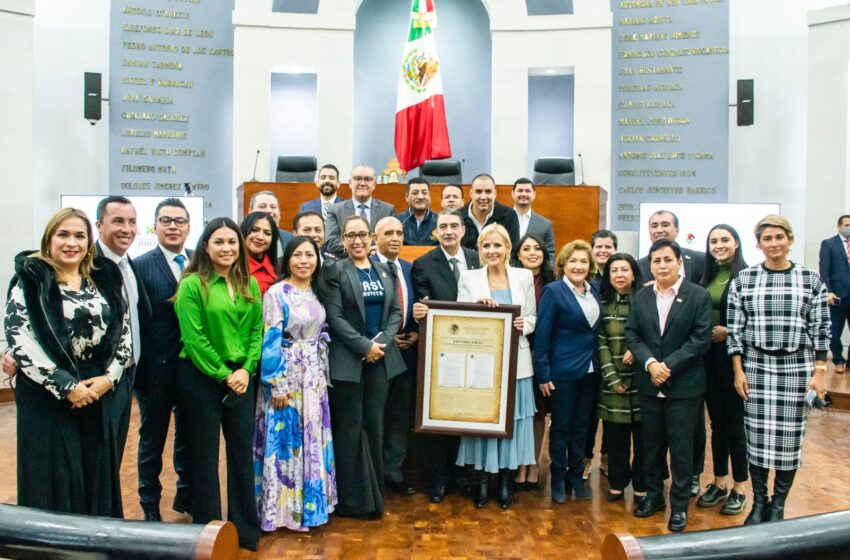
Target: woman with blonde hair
(68, 329)
(778, 336)
(565, 345)
(493, 284)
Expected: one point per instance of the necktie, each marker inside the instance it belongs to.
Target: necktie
(326, 207)
(397, 273)
(455, 270)
(132, 294)
(181, 261)
(363, 215)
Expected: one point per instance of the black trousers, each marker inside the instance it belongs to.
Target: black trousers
(569, 406)
(122, 401)
(397, 418)
(357, 412)
(840, 316)
(669, 423)
(593, 422)
(200, 396)
(625, 455)
(440, 454)
(156, 403)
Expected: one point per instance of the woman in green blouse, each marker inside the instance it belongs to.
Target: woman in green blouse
(619, 402)
(219, 308)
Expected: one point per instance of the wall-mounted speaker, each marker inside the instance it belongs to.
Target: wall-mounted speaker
(746, 103)
(91, 97)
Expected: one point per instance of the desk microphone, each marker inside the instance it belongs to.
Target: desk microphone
(256, 159)
(581, 161)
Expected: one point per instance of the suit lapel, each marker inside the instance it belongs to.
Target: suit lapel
(841, 252)
(573, 302)
(678, 304)
(356, 286)
(165, 270)
(389, 289)
(654, 315)
(444, 268)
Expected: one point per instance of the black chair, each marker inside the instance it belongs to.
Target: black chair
(554, 171)
(443, 171)
(296, 169)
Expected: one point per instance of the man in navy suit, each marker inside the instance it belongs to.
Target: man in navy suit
(389, 237)
(116, 229)
(156, 376)
(835, 271)
(327, 181)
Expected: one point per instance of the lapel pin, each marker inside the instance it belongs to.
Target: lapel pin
(679, 300)
(384, 274)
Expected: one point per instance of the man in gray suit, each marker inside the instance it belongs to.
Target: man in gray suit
(362, 184)
(529, 222)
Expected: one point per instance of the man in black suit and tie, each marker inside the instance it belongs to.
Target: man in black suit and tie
(835, 271)
(116, 229)
(668, 332)
(362, 184)
(156, 375)
(530, 222)
(483, 210)
(389, 237)
(664, 224)
(327, 181)
(435, 276)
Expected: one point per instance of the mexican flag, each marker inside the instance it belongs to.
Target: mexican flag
(420, 121)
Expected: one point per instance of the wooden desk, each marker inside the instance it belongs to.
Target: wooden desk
(576, 211)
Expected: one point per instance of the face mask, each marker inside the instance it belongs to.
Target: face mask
(844, 232)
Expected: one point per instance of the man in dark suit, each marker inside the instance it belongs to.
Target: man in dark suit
(664, 224)
(327, 181)
(362, 183)
(389, 237)
(483, 210)
(156, 375)
(116, 228)
(266, 201)
(668, 332)
(835, 271)
(435, 277)
(530, 222)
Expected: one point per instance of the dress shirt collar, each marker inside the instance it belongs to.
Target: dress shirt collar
(675, 288)
(112, 255)
(479, 225)
(169, 255)
(357, 203)
(460, 256)
(575, 289)
(520, 215)
(383, 259)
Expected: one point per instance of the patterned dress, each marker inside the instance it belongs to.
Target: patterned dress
(293, 453)
(777, 320)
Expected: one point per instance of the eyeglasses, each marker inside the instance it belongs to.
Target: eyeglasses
(361, 235)
(360, 179)
(167, 221)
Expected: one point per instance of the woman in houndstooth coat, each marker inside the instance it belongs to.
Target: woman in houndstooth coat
(778, 336)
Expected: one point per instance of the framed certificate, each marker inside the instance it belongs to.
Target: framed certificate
(467, 370)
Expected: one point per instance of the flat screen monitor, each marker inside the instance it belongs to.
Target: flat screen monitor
(696, 219)
(145, 208)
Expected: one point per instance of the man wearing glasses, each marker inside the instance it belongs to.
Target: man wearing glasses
(362, 184)
(156, 375)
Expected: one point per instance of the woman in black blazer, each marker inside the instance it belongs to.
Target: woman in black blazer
(723, 260)
(363, 314)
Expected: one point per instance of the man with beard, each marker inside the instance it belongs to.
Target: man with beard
(327, 181)
(524, 194)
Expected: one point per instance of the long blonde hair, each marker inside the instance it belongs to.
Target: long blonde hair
(53, 224)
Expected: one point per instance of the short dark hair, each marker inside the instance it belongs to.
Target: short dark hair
(675, 217)
(304, 214)
(664, 243)
(842, 217)
(483, 176)
(522, 181)
(451, 212)
(329, 166)
(106, 201)
(170, 201)
(416, 181)
(602, 234)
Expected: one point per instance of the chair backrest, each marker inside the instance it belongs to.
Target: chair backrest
(296, 169)
(443, 171)
(554, 171)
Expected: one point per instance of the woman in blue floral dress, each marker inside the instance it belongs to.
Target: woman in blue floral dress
(293, 452)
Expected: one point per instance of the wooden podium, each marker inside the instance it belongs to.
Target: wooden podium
(576, 211)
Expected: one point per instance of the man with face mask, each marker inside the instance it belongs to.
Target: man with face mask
(835, 271)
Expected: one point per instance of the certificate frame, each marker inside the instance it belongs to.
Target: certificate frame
(458, 344)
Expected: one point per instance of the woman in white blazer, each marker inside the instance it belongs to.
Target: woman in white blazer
(496, 283)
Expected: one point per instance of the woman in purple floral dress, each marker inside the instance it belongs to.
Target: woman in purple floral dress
(293, 451)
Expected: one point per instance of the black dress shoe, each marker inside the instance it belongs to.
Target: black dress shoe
(712, 496)
(436, 493)
(482, 491)
(614, 497)
(152, 515)
(734, 503)
(694, 486)
(182, 503)
(401, 487)
(678, 521)
(639, 500)
(649, 507)
(462, 483)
